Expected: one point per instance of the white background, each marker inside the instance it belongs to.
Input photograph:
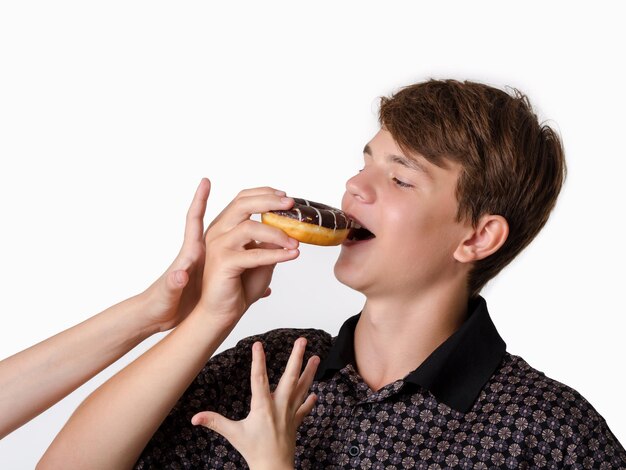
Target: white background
(111, 112)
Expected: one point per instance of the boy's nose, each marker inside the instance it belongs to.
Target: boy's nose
(360, 187)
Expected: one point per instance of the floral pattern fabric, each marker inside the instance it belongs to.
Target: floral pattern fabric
(520, 419)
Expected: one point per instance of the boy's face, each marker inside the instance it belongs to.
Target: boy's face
(412, 214)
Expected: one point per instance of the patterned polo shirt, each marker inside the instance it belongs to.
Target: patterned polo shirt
(470, 404)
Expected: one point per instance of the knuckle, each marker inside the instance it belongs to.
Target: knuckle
(259, 377)
(258, 254)
(248, 224)
(211, 422)
(242, 206)
(236, 205)
(280, 236)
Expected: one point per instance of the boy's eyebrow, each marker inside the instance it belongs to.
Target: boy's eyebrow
(404, 161)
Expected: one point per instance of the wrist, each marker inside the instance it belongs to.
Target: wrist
(226, 315)
(141, 309)
(212, 320)
(201, 333)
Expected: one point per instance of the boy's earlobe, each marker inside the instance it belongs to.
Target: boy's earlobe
(486, 239)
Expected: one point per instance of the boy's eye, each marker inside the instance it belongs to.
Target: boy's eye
(402, 184)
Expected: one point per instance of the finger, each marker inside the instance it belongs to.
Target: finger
(259, 383)
(289, 379)
(257, 281)
(256, 244)
(268, 245)
(194, 224)
(259, 191)
(306, 379)
(248, 193)
(250, 259)
(305, 409)
(170, 286)
(242, 208)
(250, 231)
(216, 422)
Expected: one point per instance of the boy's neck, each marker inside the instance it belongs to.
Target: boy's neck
(393, 337)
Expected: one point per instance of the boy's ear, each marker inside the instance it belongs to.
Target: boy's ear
(486, 239)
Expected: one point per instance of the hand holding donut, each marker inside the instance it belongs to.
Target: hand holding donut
(241, 254)
(266, 438)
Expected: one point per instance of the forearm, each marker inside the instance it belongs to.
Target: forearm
(38, 377)
(113, 425)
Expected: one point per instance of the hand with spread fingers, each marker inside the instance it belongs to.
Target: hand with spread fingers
(267, 436)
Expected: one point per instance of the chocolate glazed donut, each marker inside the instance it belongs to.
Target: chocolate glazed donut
(311, 222)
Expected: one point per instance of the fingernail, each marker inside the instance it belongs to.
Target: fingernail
(280, 193)
(286, 200)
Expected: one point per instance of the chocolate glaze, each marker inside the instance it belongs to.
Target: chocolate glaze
(317, 214)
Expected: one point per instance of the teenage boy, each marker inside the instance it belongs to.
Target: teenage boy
(459, 179)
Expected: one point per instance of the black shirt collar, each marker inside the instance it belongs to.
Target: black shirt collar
(454, 373)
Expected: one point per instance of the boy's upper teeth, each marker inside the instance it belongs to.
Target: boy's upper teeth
(356, 225)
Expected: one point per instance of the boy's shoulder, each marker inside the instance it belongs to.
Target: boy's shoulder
(540, 404)
(518, 377)
(539, 398)
(545, 418)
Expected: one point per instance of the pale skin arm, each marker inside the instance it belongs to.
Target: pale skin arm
(113, 425)
(266, 438)
(38, 377)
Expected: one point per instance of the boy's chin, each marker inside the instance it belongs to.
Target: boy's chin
(348, 277)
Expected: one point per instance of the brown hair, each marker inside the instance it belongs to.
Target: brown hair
(512, 165)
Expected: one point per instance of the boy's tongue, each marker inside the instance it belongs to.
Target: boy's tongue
(360, 233)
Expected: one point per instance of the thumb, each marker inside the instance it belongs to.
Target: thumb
(176, 281)
(216, 422)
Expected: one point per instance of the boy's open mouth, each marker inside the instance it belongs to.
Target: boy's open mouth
(359, 233)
